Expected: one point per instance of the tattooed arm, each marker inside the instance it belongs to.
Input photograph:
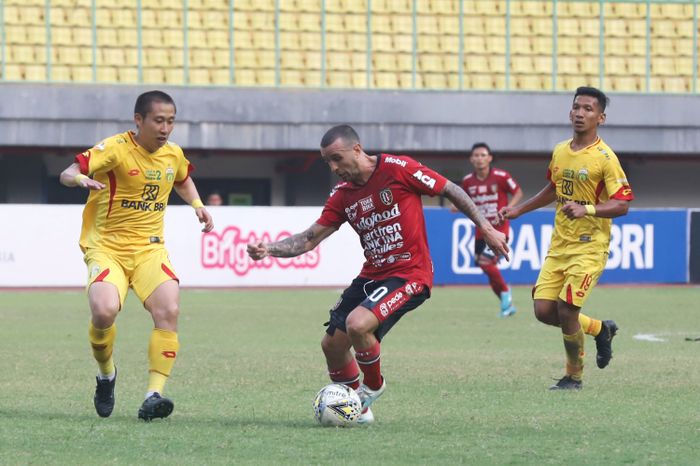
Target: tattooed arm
(293, 246)
(461, 200)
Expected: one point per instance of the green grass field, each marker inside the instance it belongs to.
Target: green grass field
(463, 385)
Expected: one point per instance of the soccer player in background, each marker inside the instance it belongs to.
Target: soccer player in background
(590, 188)
(130, 176)
(380, 197)
(489, 188)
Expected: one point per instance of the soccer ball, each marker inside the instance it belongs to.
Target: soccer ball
(337, 405)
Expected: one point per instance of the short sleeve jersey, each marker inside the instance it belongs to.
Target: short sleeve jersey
(490, 195)
(128, 213)
(588, 176)
(387, 214)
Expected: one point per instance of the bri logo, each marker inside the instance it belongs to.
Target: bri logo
(229, 250)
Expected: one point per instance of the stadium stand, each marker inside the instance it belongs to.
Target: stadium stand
(517, 44)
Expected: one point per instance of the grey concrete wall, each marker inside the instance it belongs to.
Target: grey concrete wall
(295, 119)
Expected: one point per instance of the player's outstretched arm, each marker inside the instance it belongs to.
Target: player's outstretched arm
(188, 192)
(72, 177)
(546, 196)
(461, 200)
(293, 245)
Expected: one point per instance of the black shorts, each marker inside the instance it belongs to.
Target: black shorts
(388, 299)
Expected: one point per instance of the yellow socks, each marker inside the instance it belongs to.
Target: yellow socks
(573, 344)
(102, 342)
(162, 351)
(590, 326)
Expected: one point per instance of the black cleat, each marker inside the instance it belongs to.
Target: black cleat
(154, 407)
(104, 395)
(603, 343)
(567, 383)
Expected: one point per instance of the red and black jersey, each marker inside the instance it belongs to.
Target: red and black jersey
(490, 195)
(387, 214)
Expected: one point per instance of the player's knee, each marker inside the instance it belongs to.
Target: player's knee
(545, 312)
(357, 326)
(329, 346)
(104, 311)
(167, 311)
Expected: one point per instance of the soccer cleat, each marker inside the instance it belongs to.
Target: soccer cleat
(154, 407)
(567, 383)
(366, 417)
(104, 395)
(603, 343)
(369, 396)
(507, 308)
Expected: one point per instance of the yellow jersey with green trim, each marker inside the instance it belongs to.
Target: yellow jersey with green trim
(588, 176)
(128, 214)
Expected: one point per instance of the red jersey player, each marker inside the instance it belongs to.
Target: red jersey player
(380, 197)
(489, 189)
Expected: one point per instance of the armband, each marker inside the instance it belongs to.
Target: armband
(197, 203)
(79, 177)
(590, 209)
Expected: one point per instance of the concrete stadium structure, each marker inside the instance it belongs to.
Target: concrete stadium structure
(264, 142)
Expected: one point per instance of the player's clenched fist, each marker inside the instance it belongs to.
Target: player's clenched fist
(258, 251)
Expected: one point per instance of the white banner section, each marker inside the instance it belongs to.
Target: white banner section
(39, 247)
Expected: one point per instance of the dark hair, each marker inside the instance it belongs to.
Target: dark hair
(602, 99)
(145, 101)
(481, 144)
(341, 131)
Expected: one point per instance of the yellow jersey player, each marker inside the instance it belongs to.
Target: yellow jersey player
(130, 176)
(590, 188)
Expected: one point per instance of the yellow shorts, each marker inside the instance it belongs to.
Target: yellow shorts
(569, 277)
(143, 271)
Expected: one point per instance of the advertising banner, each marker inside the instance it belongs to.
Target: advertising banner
(647, 246)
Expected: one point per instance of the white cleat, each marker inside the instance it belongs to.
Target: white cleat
(366, 417)
(368, 396)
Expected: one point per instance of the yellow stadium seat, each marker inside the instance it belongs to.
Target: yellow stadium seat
(543, 64)
(68, 55)
(616, 66)
(615, 46)
(11, 15)
(495, 25)
(430, 63)
(220, 76)
(663, 28)
(476, 64)
(636, 46)
(521, 45)
(212, 19)
(589, 64)
(684, 28)
(339, 61)
(34, 34)
(153, 76)
(625, 83)
(310, 41)
(172, 37)
(576, 9)
(61, 36)
(522, 64)
(448, 24)
(382, 43)
(636, 28)
(402, 42)
(531, 8)
(497, 63)
(385, 80)
(399, 24)
(434, 80)
(542, 45)
(265, 58)
(663, 66)
(106, 37)
(263, 21)
(34, 73)
(392, 6)
(676, 85)
(14, 72)
(636, 65)
(339, 79)
(450, 63)
(31, 15)
(218, 39)
(22, 54)
(174, 75)
(128, 38)
(427, 25)
(683, 65)
(292, 78)
(222, 58)
(81, 74)
(529, 82)
(288, 22)
(482, 81)
(113, 56)
(312, 60)
(429, 44)
(672, 11)
(568, 64)
(265, 77)
(310, 22)
(355, 23)
(245, 59)
(292, 60)
(107, 74)
(495, 45)
(201, 58)
(384, 62)
(474, 44)
(127, 75)
(244, 77)
(263, 40)
(169, 18)
(626, 10)
(123, 17)
(290, 41)
(242, 39)
(310, 6)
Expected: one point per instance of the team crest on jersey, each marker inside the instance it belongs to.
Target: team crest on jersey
(169, 174)
(583, 174)
(366, 204)
(386, 197)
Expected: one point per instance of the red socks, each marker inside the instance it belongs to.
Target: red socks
(369, 363)
(348, 375)
(495, 278)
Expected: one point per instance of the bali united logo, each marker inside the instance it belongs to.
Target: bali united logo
(386, 197)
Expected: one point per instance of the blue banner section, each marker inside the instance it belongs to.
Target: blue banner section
(647, 246)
